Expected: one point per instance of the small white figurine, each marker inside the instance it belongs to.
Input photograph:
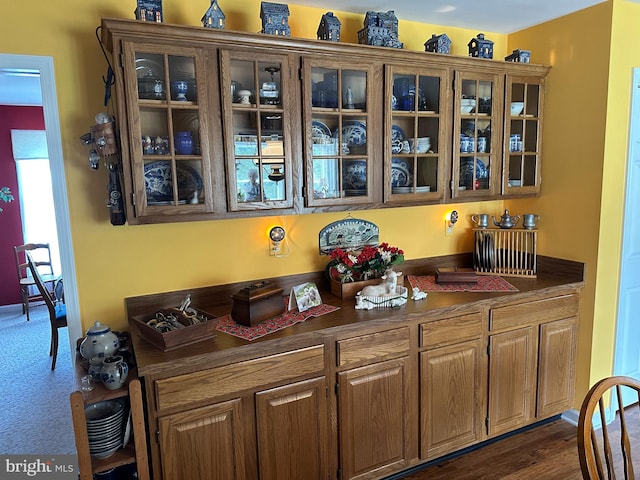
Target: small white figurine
(385, 289)
(418, 294)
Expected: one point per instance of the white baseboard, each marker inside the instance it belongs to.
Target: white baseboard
(571, 416)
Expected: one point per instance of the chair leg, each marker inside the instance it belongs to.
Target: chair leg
(54, 347)
(25, 301)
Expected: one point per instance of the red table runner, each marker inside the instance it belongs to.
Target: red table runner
(288, 318)
(486, 283)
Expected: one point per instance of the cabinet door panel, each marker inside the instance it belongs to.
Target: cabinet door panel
(512, 363)
(556, 369)
(341, 109)
(292, 431)
(450, 391)
(523, 135)
(372, 410)
(415, 134)
(204, 443)
(169, 121)
(258, 128)
(476, 146)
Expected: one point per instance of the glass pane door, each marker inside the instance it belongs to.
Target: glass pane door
(476, 148)
(170, 161)
(338, 133)
(522, 139)
(257, 114)
(415, 140)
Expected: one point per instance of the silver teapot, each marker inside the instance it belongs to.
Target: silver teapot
(506, 220)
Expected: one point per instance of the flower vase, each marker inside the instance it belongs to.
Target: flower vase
(349, 290)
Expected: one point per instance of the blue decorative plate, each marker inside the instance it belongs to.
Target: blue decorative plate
(158, 182)
(401, 173)
(397, 133)
(354, 132)
(354, 175)
(319, 130)
(466, 169)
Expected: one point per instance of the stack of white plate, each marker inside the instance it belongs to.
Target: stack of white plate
(105, 427)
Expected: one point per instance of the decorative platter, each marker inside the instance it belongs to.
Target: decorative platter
(354, 132)
(158, 182)
(401, 173)
(466, 169)
(319, 130)
(397, 133)
(354, 176)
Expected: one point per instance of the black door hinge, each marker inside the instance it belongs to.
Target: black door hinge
(337, 389)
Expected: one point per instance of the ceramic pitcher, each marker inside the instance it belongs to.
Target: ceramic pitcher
(114, 372)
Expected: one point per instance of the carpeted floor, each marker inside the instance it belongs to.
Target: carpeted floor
(35, 417)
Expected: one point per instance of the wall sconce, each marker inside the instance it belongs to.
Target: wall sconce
(277, 241)
(451, 220)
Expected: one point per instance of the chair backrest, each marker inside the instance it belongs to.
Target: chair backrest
(606, 452)
(44, 292)
(41, 254)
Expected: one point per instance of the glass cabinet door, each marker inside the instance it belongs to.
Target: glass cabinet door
(476, 151)
(523, 111)
(170, 148)
(338, 134)
(415, 134)
(256, 108)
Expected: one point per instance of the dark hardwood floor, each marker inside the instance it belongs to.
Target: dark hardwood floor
(547, 452)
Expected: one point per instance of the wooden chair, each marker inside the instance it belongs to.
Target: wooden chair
(611, 442)
(42, 254)
(57, 311)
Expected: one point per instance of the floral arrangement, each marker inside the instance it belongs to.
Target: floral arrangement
(370, 262)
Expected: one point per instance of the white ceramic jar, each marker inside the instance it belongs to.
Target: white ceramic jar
(100, 341)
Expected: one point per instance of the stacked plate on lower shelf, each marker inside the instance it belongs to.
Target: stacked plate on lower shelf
(484, 252)
(108, 427)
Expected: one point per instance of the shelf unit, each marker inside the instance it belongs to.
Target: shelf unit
(134, 452)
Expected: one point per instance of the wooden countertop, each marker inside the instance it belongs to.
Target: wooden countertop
(554, 276)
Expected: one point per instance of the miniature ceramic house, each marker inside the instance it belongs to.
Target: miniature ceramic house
(480, 47)
(275, 18)
(438, 44)
(518, 55)
(380, 29)
(329, 28)
(213, 17)
(149, 11)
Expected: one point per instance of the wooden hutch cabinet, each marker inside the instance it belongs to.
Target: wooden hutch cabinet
(221, 124)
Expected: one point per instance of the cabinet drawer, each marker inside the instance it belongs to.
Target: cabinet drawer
(534, 312)
(451, 330)
(373, 346)
(197, 387)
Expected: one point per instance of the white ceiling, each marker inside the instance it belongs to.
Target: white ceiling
(496, 16)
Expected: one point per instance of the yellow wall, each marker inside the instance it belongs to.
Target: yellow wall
(573, 150)
(585, 146)
(116, 262)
